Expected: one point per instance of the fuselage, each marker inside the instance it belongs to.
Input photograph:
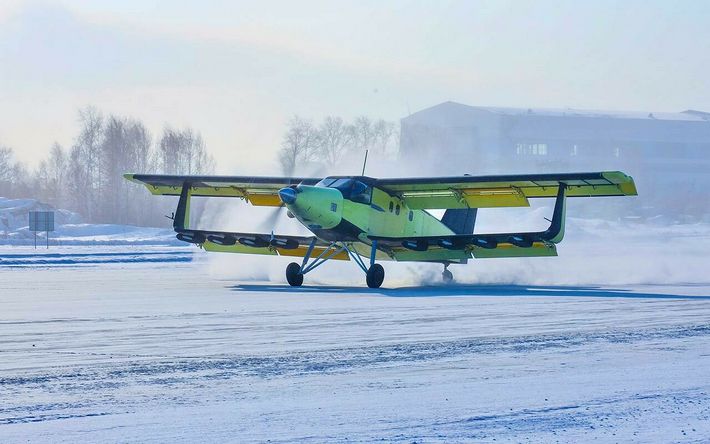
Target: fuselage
(349, 209)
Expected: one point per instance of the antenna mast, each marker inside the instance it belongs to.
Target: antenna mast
(364, 164)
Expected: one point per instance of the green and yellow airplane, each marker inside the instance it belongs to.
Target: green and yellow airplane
(368, 220)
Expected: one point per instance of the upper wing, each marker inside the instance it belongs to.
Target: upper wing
(257, 190)
(257, 243)
(503, 191)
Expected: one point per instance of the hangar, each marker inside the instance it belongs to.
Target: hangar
(666, 152)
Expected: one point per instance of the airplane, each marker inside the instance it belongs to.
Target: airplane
(368, 220)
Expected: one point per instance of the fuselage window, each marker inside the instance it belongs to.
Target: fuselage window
(411, 215)
(396, 210)
(391, 207)
(334, 207)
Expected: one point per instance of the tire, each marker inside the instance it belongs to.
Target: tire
(447, 276)
(375, 276)
(293, 275)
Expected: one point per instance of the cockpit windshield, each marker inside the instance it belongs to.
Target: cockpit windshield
(351, 189)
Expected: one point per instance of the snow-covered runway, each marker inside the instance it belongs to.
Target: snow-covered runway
(162, 351)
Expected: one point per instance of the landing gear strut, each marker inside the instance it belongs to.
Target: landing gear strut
(295, 272)
(374, 275)
(446, 275)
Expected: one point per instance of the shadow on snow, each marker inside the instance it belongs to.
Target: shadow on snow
(484, 290)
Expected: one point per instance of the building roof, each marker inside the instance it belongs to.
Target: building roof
(686, 116)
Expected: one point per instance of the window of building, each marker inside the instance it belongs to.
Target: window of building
(334, 207)
(533, 149)
(411, 215)
(391, 207)
(396, 211)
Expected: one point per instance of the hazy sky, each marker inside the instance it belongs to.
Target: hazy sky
(236, 71)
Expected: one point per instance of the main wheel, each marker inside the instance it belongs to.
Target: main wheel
(447, 276)
(375, 276)
(293, 275)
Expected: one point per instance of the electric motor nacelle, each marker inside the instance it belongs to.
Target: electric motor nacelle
(224, 240)
(416, 245)
(193, 238)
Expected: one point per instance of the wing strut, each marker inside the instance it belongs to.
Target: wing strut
(182, 215)
(556, 231)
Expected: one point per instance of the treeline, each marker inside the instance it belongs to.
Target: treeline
(88, 176)
(334, 141)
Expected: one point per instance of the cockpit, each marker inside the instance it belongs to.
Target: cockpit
(352, 189)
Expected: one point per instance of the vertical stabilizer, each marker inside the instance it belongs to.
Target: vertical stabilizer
(460, 221)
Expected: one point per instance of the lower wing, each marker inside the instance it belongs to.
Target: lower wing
(478, 245)
(257, 243)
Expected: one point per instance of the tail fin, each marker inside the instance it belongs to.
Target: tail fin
(460, 221)
(557, 226)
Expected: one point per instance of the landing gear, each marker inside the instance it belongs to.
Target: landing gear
(295, 272)
(446, 275)
(375, 276)
(294, 275)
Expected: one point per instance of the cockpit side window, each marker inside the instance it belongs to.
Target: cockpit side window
(361, 193)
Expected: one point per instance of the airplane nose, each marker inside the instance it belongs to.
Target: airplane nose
(287, 195)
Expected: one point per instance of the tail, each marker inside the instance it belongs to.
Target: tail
(460, 221)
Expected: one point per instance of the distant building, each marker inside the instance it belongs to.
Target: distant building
(667, 153)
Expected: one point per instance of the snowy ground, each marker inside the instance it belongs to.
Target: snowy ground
(167, 344)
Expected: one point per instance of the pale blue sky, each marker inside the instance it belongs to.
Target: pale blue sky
(236, 71)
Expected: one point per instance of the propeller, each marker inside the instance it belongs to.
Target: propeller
(270, 220)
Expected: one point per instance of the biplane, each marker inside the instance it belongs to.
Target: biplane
(367, 220)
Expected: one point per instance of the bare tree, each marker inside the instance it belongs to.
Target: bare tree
(20, 180)
(6, 162)
(382, 135)
(335, 138)
(14, 177)
(57, 174)
(85, 164)
(183, 152)
(49, 178)
(300, 144)
(363, 134)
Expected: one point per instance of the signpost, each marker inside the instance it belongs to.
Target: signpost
(41, 221)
